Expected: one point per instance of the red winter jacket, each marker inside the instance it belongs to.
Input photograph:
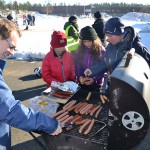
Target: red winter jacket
(52, 68)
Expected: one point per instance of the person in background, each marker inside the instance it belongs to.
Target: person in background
(12, 111)
(33, 20)
(24, 19)
(121, 39)
(89, 53)
(58, 64)
(99, 27)
(71, 29)
(10, 17)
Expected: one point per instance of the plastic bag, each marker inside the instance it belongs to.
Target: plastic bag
(41, 104)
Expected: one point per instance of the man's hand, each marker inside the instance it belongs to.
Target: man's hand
(58, 130)
(88, 72)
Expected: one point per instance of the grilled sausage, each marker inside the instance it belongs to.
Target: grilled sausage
(84, 125)
(94, 110)
(61, 95)
(62, 115)
(78, 106)
(89, 111)
(67, 120)
(69, 105)
(63, 118)
(81, 121)
(98, 112)
(76, 118)
(58, 113)
(90, 127)
(102, 99)
(88, 96)
(83, 111)
(74, 107)
(82, 107)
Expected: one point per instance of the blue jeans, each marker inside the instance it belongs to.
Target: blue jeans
(5, 135)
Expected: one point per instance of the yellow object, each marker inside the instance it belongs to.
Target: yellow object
(43, 103)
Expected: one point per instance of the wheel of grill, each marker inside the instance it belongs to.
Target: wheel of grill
(133, 120)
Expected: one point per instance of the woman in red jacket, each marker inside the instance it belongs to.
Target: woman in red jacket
(58, 64)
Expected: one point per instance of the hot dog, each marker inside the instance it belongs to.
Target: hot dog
(88, 96)
(98, 112)
(63, 118)
(89, 111)
(74, 107)
(90, 127)
(83, 111)
(70, 106)
(94, 110)
(76, 118)
(82, 107)
(81, 121)
(84, 125)
(62, 94)
(62, 115)
(58, 113)
(67, 120)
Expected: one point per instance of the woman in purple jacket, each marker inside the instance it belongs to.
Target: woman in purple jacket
(89, 53)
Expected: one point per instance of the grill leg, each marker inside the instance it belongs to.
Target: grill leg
(38, 141)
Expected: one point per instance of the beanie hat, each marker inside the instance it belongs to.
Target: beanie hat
(58, 39)
(114, 26)
(71, 18)
(88, 33)
(97, 15)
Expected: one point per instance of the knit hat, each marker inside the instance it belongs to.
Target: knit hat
(88, 33)
(97, 15)
(58, 39)
(71, 18)
(114, 26)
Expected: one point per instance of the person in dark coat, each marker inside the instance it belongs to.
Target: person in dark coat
(10, 17)
(121, 39)
(99, 26)
(33, 20)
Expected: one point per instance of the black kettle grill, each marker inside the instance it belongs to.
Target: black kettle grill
(129, 102)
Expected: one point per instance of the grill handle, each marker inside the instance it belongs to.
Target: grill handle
(129, 57)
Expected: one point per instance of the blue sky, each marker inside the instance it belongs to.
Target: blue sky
(82, 2)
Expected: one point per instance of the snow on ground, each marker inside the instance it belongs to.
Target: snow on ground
(35, 42)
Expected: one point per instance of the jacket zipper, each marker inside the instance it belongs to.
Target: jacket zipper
(62, 68)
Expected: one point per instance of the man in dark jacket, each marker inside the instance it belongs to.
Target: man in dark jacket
(71, 29)
(99, 26)
(121, 39)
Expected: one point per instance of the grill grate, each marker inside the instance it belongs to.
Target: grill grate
(99, 132)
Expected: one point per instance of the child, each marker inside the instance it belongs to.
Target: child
(89, 53)
(58, 64)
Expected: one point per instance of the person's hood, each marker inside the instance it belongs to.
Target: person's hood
(131, 35)
(66, 25)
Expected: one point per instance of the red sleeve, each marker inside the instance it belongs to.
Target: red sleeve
(46, 71)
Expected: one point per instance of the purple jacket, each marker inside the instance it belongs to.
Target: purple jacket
(87, 62)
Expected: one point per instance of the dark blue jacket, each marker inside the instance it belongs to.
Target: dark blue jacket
(115, 53)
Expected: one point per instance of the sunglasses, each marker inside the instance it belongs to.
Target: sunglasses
(11, 46)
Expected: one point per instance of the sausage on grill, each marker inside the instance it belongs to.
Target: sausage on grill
(90, 127)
